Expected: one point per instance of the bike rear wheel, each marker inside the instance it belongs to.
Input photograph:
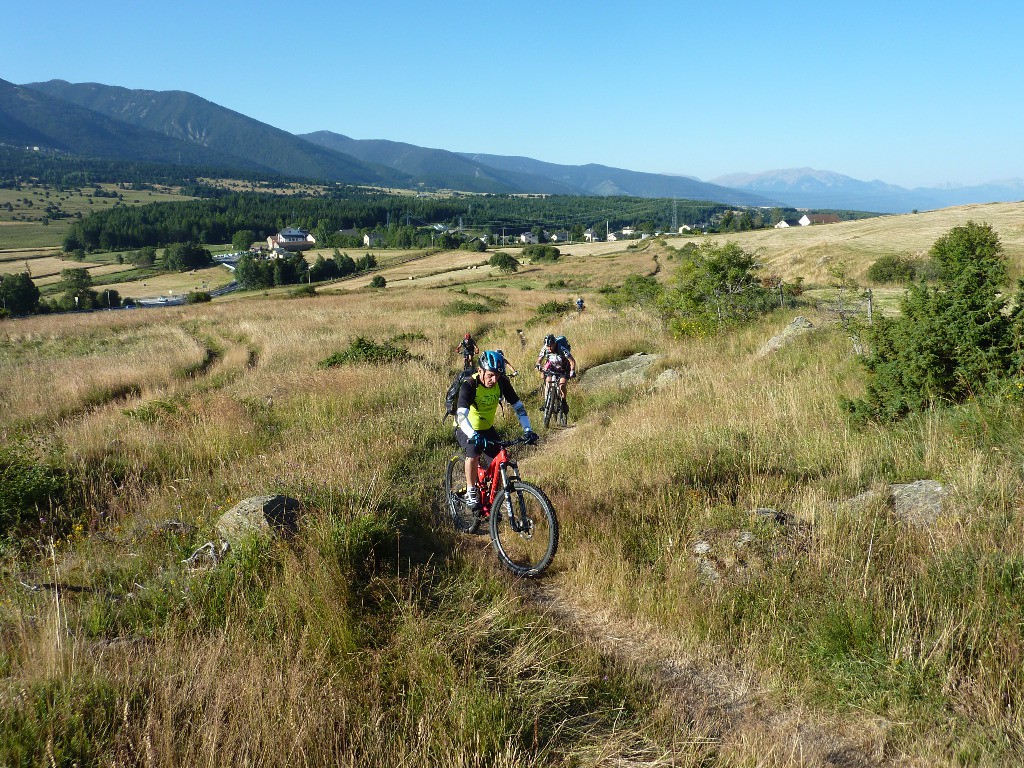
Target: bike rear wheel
(464, 518)
(563, 412)
(529, 550)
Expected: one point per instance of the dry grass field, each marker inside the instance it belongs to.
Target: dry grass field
(832, 634)
(809, 252)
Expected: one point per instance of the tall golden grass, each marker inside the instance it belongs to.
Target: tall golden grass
(373, 638)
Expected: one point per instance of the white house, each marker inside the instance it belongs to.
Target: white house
(528, 237)
(560, 236)
(372, 239)
(591, 236)
(628, 231)
(291, 239)
(685, 228)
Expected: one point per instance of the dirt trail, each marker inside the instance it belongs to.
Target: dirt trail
(747, 722)
(719, 699)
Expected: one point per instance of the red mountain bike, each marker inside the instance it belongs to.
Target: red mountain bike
(524, 527)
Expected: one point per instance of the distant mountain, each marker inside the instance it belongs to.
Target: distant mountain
(199, 122)
(473, 172)
(602, 180)
(810, 188)
(31, 118)
(435, 168)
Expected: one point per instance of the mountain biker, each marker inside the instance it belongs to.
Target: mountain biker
(555, 361)
(579, 304)
(476, 408)
(469, 350)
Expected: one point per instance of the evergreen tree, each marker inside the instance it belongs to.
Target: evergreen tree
(950, 341)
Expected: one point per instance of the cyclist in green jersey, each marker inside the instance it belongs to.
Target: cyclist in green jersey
(475, 412)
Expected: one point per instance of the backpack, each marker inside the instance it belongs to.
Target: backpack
(451, 397)
(562, 344)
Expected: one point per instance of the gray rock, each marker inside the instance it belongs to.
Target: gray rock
(260, 516)
(622, 374)
(790, 333)
(667, 378)
(917, 503)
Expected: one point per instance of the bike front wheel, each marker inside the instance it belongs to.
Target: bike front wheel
(550, 403)
(524, 529)
(463, 517)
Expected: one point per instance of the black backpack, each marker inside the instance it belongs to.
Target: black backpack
(451, 397)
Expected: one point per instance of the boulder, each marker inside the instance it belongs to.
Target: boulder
(260, 516)
(621, 374)
(918, 503)
(790, 333)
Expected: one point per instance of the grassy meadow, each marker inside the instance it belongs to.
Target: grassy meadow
(26, 214)
(843, 636)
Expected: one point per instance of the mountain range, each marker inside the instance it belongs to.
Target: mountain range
(177, 127)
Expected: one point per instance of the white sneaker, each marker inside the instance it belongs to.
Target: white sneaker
(472, 497)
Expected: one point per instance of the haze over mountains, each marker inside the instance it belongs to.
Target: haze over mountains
(177, 127)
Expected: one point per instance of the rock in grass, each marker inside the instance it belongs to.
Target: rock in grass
(260, 516)
(790, 333)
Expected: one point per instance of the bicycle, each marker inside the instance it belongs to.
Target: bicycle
(523, 523)
(554, 404)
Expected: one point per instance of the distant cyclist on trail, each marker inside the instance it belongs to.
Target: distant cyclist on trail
(475, 411)
(579, 305)
(556, 361)
(469, 350)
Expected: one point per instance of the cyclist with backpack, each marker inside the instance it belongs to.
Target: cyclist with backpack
(469, 350)
(475, 411)
(579, 305)
(556, 362)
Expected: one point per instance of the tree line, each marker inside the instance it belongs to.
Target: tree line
(401, 220)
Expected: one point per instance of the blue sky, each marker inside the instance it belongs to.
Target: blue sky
(912, 93)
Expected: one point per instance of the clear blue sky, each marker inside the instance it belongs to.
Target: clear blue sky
(912, 93)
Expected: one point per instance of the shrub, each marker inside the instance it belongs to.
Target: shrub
(505, 262)
(378, 281)
(541, 253)
(642, 290)
(950, 341)
(462, 307)
(714, 286)
(197, 297)
(363, 350)
(28, 489)
(303, 291)
(893, 268)
(554, 307)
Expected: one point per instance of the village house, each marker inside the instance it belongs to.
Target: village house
(591, 236)
(561, 236)
(291, 239)
(819, 218)
(528, 237)
(372, 239)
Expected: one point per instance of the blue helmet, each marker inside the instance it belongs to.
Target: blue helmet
(493, 361)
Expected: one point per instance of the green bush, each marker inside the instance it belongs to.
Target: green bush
(554, 307)
(894, 268)
(951, 341)
(642, 290)
(378, 281)
(540, 253)
(197, 297)
(29, 490)
(363, 350)
(714, 286)
(505, 262)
